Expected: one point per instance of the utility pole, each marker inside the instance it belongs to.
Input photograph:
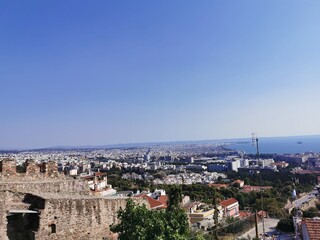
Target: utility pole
(256, 224)
(255, 140)
(262, 207)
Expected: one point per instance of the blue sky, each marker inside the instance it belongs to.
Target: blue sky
(102, 72)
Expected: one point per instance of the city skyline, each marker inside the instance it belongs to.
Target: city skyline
(76, 74)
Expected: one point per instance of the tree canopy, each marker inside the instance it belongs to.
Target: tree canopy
(137, 222)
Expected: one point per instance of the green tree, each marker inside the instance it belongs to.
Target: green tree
(286, 224)
(174, 197)
(135, 222)
(176, 220)
(310, 212)
(176, 225)
(197, 235)
(139, 223)
(243, 201)
(215, 216)
(247, 181)
(272, 206)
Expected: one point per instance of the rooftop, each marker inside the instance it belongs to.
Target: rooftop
(313, 228)
(228, 202)
(153, 202)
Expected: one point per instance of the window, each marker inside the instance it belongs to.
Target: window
(53, 228)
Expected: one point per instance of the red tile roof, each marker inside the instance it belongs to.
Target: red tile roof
(302, 171)
(313, 228)
(152, 202)
(218, 185)
(228, 202)
(262, 214)
(238, 181)
(244, 214)
(86, 177)
(100, 174)
(248, 188)
(163, 199)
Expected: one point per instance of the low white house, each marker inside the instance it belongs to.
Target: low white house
(230, 207)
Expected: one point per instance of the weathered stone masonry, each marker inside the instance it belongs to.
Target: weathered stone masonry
(87, 218)
(53, 206)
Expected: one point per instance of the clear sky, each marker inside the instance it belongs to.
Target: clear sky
(103, 72)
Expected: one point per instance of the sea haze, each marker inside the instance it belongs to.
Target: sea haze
(280, 145)
(277, 145)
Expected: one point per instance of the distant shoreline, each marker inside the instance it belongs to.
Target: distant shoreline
(235, 142)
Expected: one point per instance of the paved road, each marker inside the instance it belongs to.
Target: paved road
(297, 203)
(285, 236)
(269, 226)
(303, 200)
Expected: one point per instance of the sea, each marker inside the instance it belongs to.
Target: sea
(278, 145)
(267, 145)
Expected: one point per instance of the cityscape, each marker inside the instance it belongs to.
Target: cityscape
(43, 190)
(159, 120)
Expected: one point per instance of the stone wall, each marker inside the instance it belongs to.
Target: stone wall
(8, 201)
(60, 217)
(57, 186)
(52, 169)
(8, 168)
(33, 170)
(3, 214)
(53, 207)
(83, 219)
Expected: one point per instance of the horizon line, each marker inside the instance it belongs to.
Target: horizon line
(142, 143)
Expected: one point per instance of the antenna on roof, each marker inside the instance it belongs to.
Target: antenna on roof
(254, 138)
(255, 142)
